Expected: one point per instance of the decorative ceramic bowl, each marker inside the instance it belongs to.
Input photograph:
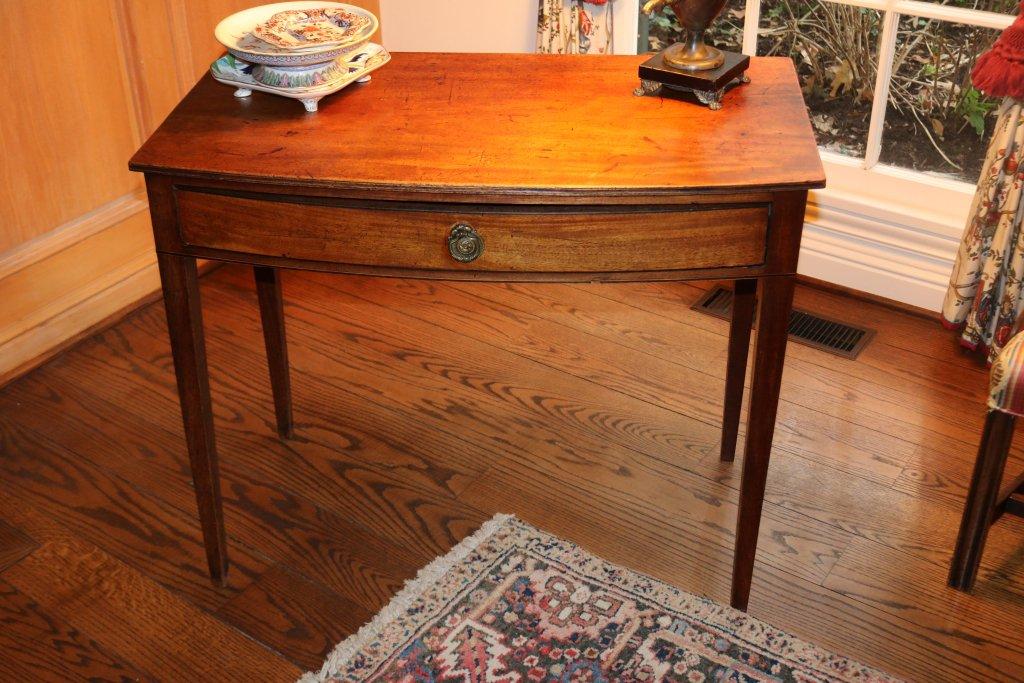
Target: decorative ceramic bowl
(300, 76)
(236, 34)
(306, 84)
(296, 29)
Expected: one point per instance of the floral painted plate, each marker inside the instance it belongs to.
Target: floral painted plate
(236, 33)
(298, 29)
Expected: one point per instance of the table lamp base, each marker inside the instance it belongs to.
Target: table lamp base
(708, 86)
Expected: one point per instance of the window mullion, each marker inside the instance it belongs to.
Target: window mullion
(959, 15)
(751, 21)
(886, 55)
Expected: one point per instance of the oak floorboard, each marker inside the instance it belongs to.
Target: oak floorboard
(295, 616)
(911, 354)
(701, 512)
(132, 615)
(945, 480)
(895, 329)
(887, 526)
(927, 418)
(917, 526)
(852, 503)
(14, 544)
(261, 513)
(40, 484)
(860, 630)
(39, 646)
(591, 411)
(690, 388)
(776, 530)
(645, 355)
(381, 474)
(917, 593)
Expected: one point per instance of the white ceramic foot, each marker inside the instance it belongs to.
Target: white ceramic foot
(364, 79)
(310, 103)
(243, 92)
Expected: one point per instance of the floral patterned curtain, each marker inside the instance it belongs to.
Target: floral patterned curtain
(984, 295)
(575, 27)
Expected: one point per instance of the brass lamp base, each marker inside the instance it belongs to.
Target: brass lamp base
(700, 57)
(709, 86)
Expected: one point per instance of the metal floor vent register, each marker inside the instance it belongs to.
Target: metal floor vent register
(806, 328)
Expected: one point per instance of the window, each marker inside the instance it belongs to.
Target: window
(901, 130)
(918, 112)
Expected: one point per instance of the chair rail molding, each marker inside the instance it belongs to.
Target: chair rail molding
(71, 233)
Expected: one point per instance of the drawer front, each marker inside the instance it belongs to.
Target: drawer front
(536, 239)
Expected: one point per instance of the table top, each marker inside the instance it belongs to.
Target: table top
(499, 125)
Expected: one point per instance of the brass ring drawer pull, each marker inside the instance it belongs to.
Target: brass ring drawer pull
(464, 244)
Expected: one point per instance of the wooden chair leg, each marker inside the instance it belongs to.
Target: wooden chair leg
(769, 355)
(744, 296)
(185, 327)
(981, 499)
(1011, 499)
(268, 289)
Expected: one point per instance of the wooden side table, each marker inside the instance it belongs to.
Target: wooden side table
(488, 167)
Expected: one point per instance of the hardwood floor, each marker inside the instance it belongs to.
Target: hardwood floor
(421, 409)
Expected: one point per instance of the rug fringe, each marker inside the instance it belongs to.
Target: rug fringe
(412, 589)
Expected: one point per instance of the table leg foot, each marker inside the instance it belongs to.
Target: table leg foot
(188, 347)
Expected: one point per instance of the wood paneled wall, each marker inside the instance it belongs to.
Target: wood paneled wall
(84, 92)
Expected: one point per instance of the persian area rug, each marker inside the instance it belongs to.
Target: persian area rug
(513, 604)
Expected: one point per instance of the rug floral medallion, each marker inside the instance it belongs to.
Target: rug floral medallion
(513, 604)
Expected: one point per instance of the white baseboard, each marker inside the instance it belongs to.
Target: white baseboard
(61, 285)
(80, 318)
(876, 254)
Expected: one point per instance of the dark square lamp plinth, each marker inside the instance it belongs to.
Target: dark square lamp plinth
(708, 86)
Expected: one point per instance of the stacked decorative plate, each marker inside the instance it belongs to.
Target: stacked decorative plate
(303, 50)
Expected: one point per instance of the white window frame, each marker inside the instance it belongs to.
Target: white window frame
(891, 11)
(883, 229)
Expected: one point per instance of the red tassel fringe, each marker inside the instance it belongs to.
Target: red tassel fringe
(998, 74)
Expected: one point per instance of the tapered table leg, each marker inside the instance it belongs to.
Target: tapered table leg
(776, 302)
(744, 296)
(981, 499)
(268, 289)
(185, 326)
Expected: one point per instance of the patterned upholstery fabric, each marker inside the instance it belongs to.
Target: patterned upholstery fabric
(984, 296)
(1006, 387)
(575, 27)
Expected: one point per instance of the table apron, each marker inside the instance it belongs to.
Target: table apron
(539, 241)
(710, 236)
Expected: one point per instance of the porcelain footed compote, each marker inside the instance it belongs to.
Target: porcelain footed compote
(304, 50)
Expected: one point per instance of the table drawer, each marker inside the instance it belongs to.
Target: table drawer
(540, 239)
